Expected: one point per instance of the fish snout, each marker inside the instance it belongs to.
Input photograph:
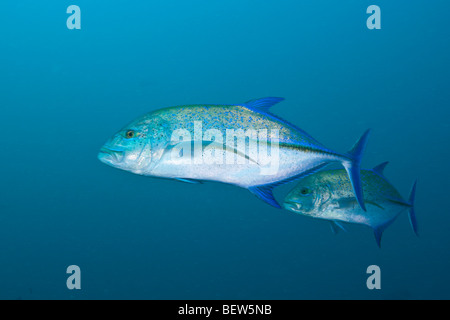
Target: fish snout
(110, 155)
(292, 206)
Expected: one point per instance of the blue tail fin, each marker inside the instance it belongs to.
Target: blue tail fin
(411, 213)
(353, 166)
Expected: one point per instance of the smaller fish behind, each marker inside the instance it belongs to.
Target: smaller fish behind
(328, 195)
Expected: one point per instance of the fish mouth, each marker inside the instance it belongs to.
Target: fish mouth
(292, 206)
(110, 155)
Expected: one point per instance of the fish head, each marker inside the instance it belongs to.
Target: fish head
(308, 198)
(128, 149)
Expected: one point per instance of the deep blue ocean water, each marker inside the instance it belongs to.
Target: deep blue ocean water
(64, 92)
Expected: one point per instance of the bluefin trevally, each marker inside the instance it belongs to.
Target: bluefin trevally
(328, 195)
(151, 145)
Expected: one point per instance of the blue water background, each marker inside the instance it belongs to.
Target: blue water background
(64, 92)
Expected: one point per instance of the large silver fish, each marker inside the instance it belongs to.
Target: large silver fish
(151, 146)
(328, 195)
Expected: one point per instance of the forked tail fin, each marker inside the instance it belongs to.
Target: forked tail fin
(353, 167)
(411, 211)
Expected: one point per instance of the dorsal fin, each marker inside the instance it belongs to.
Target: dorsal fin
(262, 104)
(380, 168)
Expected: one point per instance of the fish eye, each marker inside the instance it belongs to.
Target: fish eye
(130, 134)
(304, 191)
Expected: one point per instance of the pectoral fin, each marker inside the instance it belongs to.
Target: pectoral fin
(233, 150)
(351, 203)
(347, 203)
(189, 146)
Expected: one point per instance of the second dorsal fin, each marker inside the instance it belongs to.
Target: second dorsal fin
(380, 168)
(262, 104)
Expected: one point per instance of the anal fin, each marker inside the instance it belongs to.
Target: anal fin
(265, 193)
